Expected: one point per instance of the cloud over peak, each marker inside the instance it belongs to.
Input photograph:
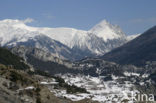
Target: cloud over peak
(28, 20)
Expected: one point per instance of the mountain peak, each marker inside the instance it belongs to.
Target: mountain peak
(107, 31)
(103, 23)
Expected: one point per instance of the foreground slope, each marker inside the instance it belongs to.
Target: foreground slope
(20, 85)
(137, 51)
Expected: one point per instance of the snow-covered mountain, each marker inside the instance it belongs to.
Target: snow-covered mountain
(10, 33)
(108, 31)
(100, 39)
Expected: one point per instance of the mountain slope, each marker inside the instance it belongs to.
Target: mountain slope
(137, 51)
(9, 59)
(44, 60)
(48, 45)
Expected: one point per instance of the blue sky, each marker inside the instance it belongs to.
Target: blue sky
(133, 16)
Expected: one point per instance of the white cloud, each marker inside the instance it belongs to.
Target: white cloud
(28, 20)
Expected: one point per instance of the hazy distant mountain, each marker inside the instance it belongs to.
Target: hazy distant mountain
(137, 52)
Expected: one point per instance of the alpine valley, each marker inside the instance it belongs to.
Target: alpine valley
(66, 65)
